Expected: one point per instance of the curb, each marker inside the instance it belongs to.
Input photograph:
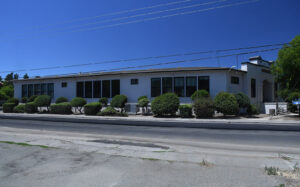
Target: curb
(179, 124)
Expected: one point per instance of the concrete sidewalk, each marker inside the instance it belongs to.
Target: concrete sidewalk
(238, 124)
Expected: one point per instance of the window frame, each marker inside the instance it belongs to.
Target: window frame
(134, 81)
(235, 80)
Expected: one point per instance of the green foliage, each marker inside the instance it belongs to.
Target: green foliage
(290, 98)
(42, 101)
(13, 100)
(31, 98)
(8, 91)
(24, 100)
(92, 108)
(110, 111)
(287, 67)
(199, 94)
(242, 99)
(25, 76)
(8, 107)
(103, 101)
(204, 108)
(61, 100)
(143, 102)
(226, 103)
(166, 104)
(142, 97)
(19, 108)
(271, 170)
(61, 108)
(185, 111)
(119, 101)
(30, 107)
(252, 110)
(3, 96)
(78, 103)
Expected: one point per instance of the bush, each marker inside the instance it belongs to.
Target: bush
(110, 111)
(61, 100)
(242, 100)
(185, 111)
(8, 91)
(24, 100)
(61, 108)
(199, 94)
(3, 96)
(13, 100)
(92, 108)
(252, 110)
(204, 108)
(42, 101)
(292, 96)
(166, 104)
(8, 107)
(30, 107)
(78, 103)
(19, 108)
(226, 103)
(119, 101)
(142, 97)
(31, 98)
(103, 101)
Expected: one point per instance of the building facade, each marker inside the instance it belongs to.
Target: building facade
(254, 79)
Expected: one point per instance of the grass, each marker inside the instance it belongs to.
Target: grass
(25, 144)
(271, 170)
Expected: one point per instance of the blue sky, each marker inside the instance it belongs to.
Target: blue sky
(37, 34)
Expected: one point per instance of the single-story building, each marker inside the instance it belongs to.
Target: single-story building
(254, 79)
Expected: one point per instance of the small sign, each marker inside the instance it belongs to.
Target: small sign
(296, 102)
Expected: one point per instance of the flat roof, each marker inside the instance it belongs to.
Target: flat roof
(88, 74)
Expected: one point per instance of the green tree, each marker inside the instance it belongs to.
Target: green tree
(26, 76)
(287, 67)
(16, 76)
(9, 77)
(0, 78)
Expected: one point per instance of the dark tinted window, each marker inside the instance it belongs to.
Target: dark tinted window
(88, 89)
(203, 83)
(155, 87)
(79, 89)
(253, 88)
(167, 85)
(64, 84)
(24, 90)
(51, 90)
(44, 89)
(106, 88)
(37, 89)
(97, 89)
(235, 80)
(115, 87)
(191, 86)
(179, 86)
(30, 90)
(134, 81)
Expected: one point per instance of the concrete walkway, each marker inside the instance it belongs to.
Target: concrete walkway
(264, 123)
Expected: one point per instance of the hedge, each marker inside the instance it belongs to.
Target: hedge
(143, 102)
(185, 111)
(110, 111)
(242, 100)
(92, 108)
(13, 100)
(61, 108)
(19, 108)
(226, 103)
(30, 107)
(103, 101)
(252, 110)
(61, 100)
(199, 94)
(204, 108)
(8, 107)
(24, 100)
(166, 104)
(78, 103)
(119, 101)
(42, 101)
(31, 98)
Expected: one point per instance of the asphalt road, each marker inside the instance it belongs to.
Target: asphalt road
(247, 137)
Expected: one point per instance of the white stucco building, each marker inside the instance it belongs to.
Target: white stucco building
(254, 79)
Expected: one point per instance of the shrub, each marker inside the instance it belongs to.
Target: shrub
(32, 98)
(143, 102)
(292, 96)
(92, 108)
(61, 108)
(199, 94)
(252, 110)
(8, 107)
(166, 104)
(142, 97)
(242, 100)
(185, 111)
(204, 108)
(42, 101)
(8, 91)
(61, 100)
(3, 96)
(13, 100)
(24, 100)
(103, 101)
(110, 111)
(30, 107)
(19, 108)
(226, 103)
(119, 101)
(78, 103)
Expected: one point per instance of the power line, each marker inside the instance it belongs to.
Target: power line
(150, 57)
